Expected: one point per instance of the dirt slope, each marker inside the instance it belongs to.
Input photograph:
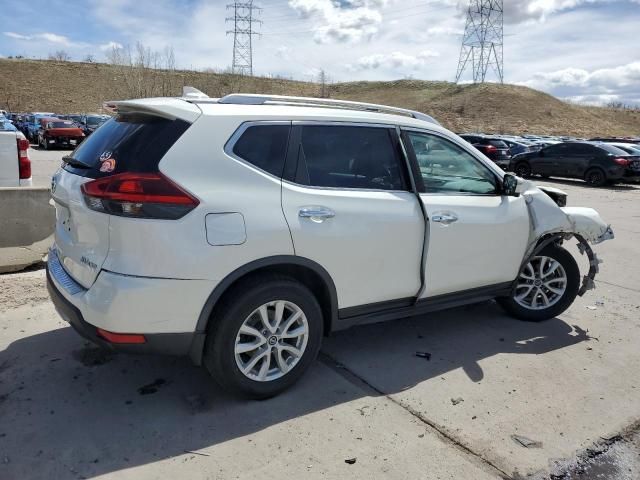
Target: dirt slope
(67, 87)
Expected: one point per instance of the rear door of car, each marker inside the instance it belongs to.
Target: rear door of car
(578, 158)
(347, 200)
(550, 160)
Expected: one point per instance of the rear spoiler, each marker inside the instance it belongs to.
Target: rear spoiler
(169, 108)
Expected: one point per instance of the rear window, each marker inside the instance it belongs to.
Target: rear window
(264, 146)
(611, 149)
(497, 143)
(65, 124)
(95, 120)
(127, 143)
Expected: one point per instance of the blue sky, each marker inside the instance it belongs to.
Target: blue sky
(584, 50)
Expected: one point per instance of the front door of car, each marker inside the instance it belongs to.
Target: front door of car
(552, 160)
(578, 158)
(346, 198)
(476, 236)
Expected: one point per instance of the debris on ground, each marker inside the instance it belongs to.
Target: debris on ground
(425, 355)
(350, 461)
(152, 387)
(526, 442)
(599, 303)
(592, 307)
(456, 401)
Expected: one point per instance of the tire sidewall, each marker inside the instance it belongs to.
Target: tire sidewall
(219, 355)
(603, 177)
(526, 169)
(573, 284)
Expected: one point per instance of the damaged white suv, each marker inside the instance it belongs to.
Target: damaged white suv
(241, 230)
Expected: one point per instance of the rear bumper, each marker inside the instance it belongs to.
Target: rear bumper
(78, 307)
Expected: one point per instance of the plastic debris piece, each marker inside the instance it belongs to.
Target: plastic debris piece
(425, 355)
(526, 442)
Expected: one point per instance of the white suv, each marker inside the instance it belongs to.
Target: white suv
(241, 230)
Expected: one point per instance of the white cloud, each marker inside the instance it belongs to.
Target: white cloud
(48, 37)
(596, 86)
(342, 21)
(393, 60)
(106, 47)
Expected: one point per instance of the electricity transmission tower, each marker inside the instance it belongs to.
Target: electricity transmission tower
(243, 32)
(482, 41)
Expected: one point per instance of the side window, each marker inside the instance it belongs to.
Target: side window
(264, 146)
(447, 168)
(559, 149)
(581, 149)
(349, 157)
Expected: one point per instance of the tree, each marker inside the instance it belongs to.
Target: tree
(90, 58)
(60, 56)
(323, 80)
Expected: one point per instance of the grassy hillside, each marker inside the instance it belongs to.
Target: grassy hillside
(67, 87)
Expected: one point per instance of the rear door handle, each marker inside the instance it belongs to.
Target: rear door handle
(444, 218)
(316, 214)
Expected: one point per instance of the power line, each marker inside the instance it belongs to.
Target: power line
(482, 43)
(243, 32)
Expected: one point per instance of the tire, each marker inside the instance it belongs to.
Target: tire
(558, 303)
(240, 308)
(523, 169)
(595, 177)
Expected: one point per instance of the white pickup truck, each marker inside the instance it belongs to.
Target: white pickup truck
(15, 165)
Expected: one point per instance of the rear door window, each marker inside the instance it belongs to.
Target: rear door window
(264, 146)
(127, 143)
(349, 157)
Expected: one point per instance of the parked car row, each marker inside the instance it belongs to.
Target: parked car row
(598, 161)
(44, 128)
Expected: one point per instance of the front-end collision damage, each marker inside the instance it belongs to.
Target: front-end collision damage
(552, 224)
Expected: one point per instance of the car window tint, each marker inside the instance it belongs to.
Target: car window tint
(559, 149)
(448, 168)
(611, 149)
(264, 146)
(498, 143)
(349, 157)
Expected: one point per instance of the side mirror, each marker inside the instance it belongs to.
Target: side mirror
(510, 185)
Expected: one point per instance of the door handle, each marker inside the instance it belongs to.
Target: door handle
(444, 218)
(316, 214)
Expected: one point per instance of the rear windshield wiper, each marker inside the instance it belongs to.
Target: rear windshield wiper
(68, 159)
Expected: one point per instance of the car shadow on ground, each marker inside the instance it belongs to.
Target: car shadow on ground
(69, 407)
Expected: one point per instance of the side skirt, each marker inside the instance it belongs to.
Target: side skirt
(396, 309)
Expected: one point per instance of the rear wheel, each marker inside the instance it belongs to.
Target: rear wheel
(595, 177)
(546, 286)
(523, 169)
(267, 332)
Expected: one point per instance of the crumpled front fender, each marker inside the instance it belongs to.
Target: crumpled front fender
(550, 223)
(587, 223)
(546, 217)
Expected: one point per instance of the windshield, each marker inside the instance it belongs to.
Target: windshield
(95, 121)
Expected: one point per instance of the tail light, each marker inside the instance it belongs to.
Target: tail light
(138, 195)
(491, 149)
(24, 163)
(624, 162)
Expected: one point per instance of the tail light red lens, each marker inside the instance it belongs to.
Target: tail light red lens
(24, 163)
(624, 162)
(123, 338)
(139, 195)
(491, 149)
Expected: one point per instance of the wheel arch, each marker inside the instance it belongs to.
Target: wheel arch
(308, 272)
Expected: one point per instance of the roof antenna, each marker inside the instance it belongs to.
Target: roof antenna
(192, 92)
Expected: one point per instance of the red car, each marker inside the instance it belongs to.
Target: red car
(55, 132)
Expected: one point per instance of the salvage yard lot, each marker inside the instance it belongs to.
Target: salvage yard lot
(70, 411)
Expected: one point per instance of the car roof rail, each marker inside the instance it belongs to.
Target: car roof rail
(194, 95)
(258, 99)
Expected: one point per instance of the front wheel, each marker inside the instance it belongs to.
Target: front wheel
(546, 286)
(266, 334)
